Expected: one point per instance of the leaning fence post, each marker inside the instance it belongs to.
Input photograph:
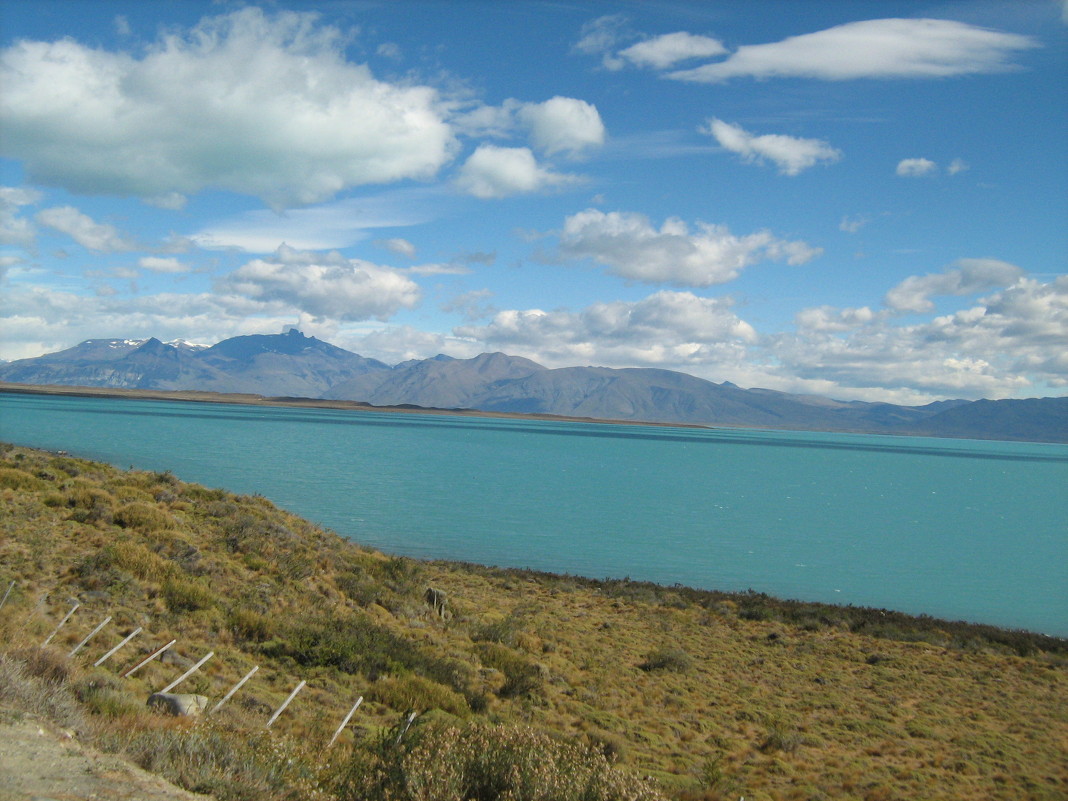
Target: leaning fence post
(89, 636)
(234, 689)
(285, 703)
(110, 653)
(73, 609)
(345, 722)
(147, 659)
(10, 587)
(188, 673)
(407, 725)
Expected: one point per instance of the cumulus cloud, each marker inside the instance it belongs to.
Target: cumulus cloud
(158, 264)
(563, 124)
(495, 172)
(1008, 344)
(38, 320)
(878, 48)
(299, 122)
(324, 285)
(559, 125)
(915, 168)
(969, 277)
(664, 329)
(632, 248)
(83, 229)
(15, 229)
(661, 52)
(791, 154)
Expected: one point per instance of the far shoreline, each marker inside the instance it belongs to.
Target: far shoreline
(251, 399)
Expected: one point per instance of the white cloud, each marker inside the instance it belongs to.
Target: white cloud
(83, 229)
(495, 172)
(395, 344)
(789, 153)
(563, 124)
(915, 168)
(38, 320)
(452, 268)
(14, 229)
(853, 224)
(664, 329)
(299, 122)
(600, 37)
(1007, 345)
(957, 166)
(402, 247)
(158, 264)
(878, 48)
(629, 245)
(338, 224)
(559, 125)
(665, 51)
(324, 285)
(172, 201)
(970, 277)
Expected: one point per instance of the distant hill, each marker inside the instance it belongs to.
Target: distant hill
(294, 365)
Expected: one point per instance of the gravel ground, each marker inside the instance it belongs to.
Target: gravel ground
(41, 762)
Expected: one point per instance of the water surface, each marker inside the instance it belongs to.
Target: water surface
(953, 528)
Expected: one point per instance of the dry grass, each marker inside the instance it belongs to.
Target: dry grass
(712, 695)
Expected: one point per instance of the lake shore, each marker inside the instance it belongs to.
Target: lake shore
(249, 399)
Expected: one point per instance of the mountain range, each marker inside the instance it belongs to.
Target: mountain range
(293, 365)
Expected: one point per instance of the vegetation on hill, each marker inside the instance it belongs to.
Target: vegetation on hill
(528, 686)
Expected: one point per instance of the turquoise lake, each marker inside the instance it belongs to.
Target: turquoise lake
(958, 529)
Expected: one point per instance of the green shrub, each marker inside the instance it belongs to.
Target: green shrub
(443, 762)
(105, 694)
(143, 517)
(186, 595)
(419, 694)
(671, 659)
(206, 759)
(251, 625)
(522, 677)
(13, 478)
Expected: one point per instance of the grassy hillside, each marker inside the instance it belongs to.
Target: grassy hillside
(530, 686)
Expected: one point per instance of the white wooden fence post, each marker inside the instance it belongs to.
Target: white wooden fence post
(89, 636)
(285, 703)
(234, 689)
(345, 722)
(407, 725)
(73, 609)
(10, 587)
(188, 673)
(111, 653)
(147, 659)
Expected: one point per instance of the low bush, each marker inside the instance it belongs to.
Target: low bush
(143, 517)
(443, 762)
(417, 694)
(186, 595)
(16, 479)
(35, 680)
(670, 659)
(209, 760)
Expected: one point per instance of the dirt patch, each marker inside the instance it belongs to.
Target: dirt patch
(42, 762)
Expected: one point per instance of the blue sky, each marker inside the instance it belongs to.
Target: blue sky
(861, 200)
